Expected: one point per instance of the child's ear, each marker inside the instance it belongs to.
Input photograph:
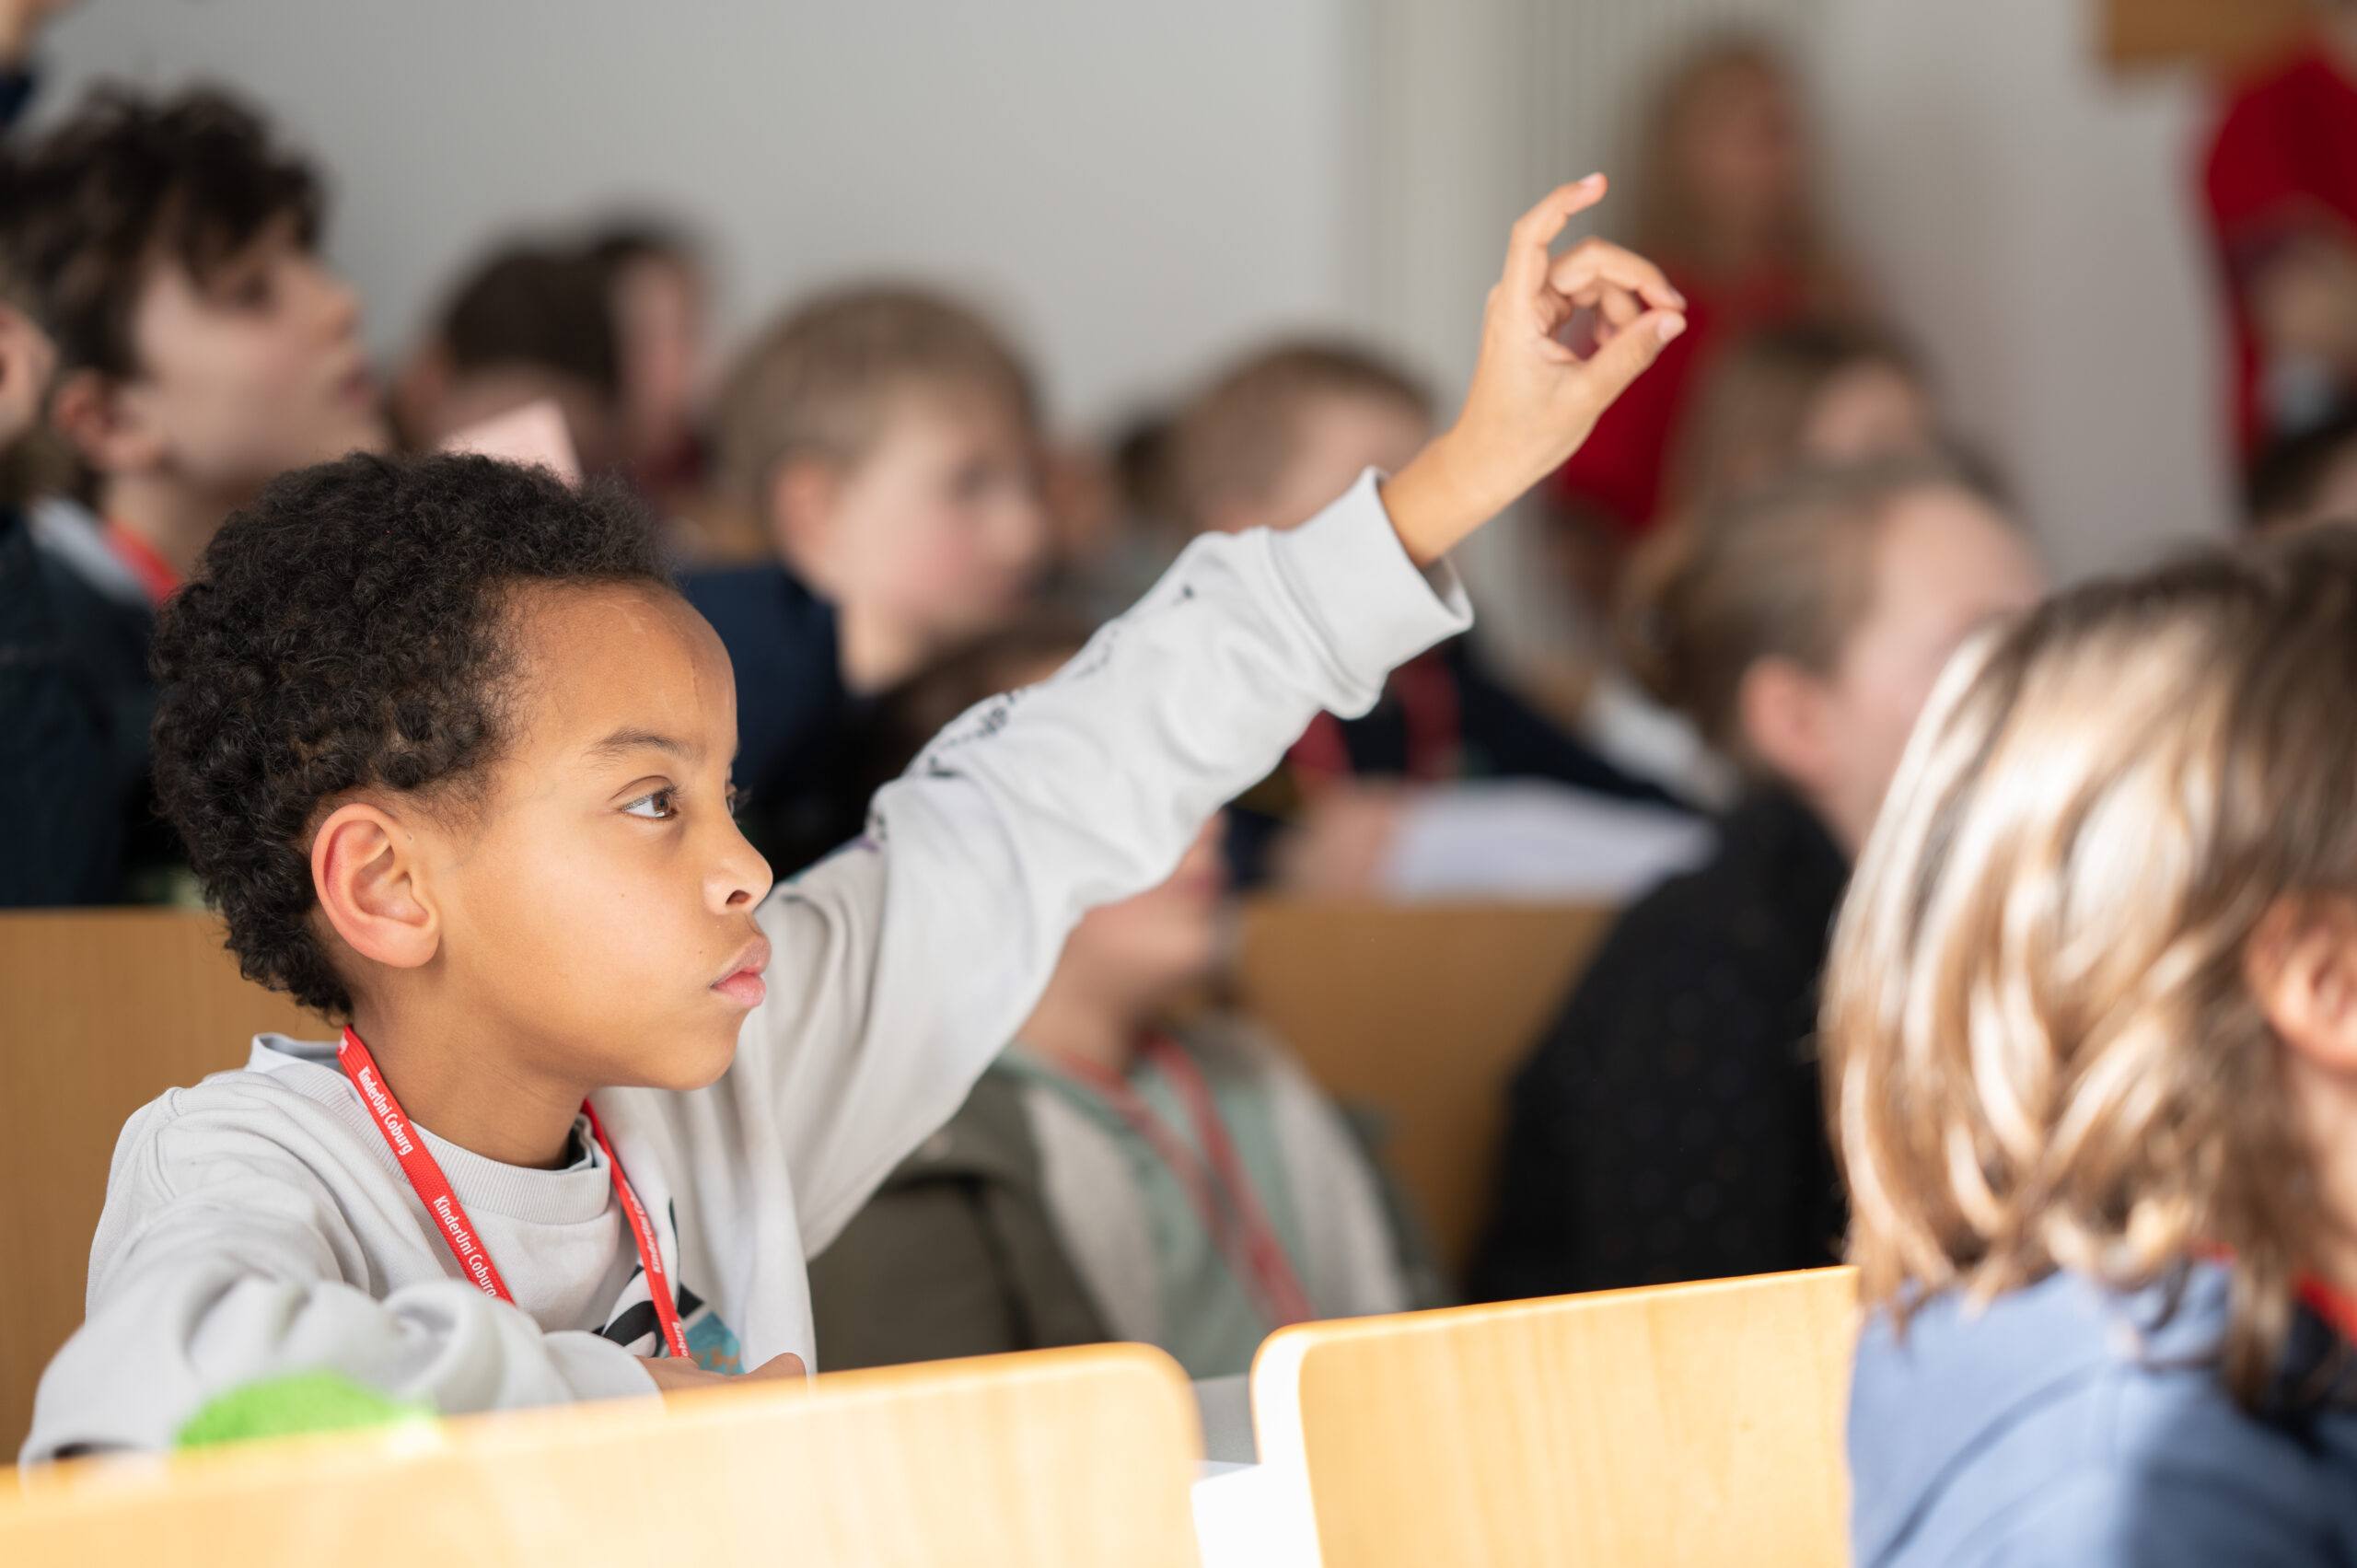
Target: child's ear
(1780, 708)
(365, 871)
(2300, 965)
(802, 493)
(101, 421)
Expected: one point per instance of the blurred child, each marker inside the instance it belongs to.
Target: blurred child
(1809, 393)
(529, 324)
(168, 249)
(1137, 1166)
(453, 757)
(65, 844)
(2282, 211)
(888, 439)
(1728, 207)
(2091, 1030)
(21, 22)
(1667, 1126)
(656, 289)
(1267, 444)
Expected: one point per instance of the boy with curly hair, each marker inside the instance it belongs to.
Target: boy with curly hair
(454, 757)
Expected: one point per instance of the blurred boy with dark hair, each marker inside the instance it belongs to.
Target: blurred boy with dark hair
(887, 438)
(169, 251)
(530, 323)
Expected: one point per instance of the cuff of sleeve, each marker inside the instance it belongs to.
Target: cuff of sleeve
(1352, 577)
(594, 1367)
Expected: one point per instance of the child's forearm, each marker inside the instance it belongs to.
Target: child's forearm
(1446, 494)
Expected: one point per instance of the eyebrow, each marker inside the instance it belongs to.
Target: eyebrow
(624, 741)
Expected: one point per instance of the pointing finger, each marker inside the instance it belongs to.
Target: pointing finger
(1535, 231)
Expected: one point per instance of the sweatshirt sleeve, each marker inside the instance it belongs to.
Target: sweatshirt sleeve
(904, 964)
(223, 1259)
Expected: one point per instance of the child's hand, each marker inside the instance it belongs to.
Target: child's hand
(674, 1377)
(1533, 401)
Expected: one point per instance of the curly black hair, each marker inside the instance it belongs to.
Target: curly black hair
(88, 210)
(348, 630)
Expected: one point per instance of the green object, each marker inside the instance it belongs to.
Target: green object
(298, 1402)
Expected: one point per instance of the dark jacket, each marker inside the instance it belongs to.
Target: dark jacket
(800, 760)
(1669, 1126)
(59, 789)
(956, 1254)
(1495, 734)
(2066, 1425)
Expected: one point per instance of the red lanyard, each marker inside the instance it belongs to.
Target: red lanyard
(155, 574)
(1220, 1190)
(433, 1189)
(2339, 1311)
(1426, 693)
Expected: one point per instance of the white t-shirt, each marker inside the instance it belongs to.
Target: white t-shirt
(257, 1224)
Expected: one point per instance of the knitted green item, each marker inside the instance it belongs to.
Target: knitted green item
(300, 1402)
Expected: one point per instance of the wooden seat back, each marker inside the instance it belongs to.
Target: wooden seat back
(100, 1011)
(1659, 1428)
(1069, 1459)
(1422, 1012)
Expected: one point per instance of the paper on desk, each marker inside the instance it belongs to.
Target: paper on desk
(1528, 839)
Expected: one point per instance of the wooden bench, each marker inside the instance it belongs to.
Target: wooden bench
(1660, 1428)
(1070, 1459)
(1422, 1012)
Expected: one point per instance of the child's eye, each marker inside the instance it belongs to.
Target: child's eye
(658, 806)
(735, 801)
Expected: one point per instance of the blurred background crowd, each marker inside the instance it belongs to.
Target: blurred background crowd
(931, 333)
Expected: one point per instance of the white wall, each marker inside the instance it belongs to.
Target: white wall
(1139, 187)
(2034, 221)
(1143, 187)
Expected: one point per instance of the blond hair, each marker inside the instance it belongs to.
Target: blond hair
(1236, 440)
(820, 380)
(2042, 1051)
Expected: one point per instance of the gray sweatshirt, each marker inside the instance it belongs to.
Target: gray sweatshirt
(258, 1224)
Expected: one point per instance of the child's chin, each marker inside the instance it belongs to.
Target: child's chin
(697, 1065)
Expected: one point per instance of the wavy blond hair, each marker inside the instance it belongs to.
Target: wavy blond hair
(2042, 1051)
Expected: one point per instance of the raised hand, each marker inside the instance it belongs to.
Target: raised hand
(1533, 400)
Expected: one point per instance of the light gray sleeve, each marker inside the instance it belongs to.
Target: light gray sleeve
(222, 1260)
(905, 963)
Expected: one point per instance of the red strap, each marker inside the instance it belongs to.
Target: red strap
(650, 1247)
(1322, 756)
(1428, 703)
(1215, 1181)
(433, 1189)
(1430, 711)
(2337, 1309)
(1267, 1254)
(156, 575)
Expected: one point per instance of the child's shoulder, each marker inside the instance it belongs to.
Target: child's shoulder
(290, 1094)
(2095, 1413)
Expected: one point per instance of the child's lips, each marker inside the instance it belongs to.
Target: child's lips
(743, 983)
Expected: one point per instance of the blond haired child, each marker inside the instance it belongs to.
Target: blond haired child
(2091, 1028)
